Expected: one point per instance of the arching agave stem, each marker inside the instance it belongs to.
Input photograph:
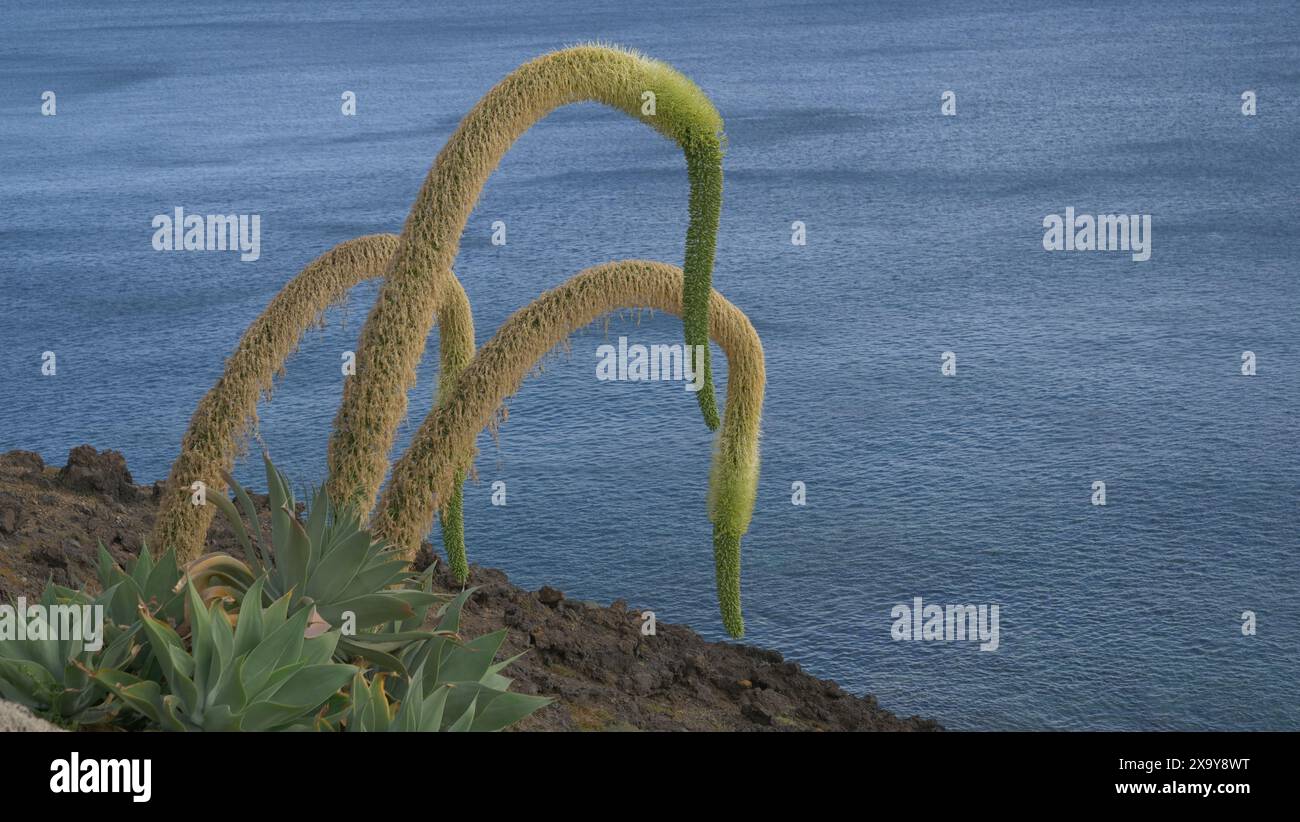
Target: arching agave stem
(392, 340)
(428, 470)
(419, 286)
(211, 442)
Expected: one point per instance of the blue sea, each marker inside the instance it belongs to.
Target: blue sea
(924, 235)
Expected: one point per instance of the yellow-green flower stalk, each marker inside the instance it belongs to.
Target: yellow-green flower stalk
(224, 414)
(416, 282)
(428, 472)
(456, 341)
(419, 288)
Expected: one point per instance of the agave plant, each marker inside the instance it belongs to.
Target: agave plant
(49, 673)
(270, 671)
(454, 686)
(330, 566)
(153, 584)
(52, 675)
(420, 289)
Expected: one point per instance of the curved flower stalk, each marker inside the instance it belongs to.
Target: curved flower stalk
(210, 444)
(428, 470)
(419, 275)
(419, 288)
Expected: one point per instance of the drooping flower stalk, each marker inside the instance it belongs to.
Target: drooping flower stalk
(427, 472)
(419, 288)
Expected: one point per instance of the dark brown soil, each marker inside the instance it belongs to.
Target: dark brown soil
(604, 674)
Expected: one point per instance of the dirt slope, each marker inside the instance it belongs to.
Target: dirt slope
(604, 673)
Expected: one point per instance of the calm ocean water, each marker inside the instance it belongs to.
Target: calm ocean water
(924, 235)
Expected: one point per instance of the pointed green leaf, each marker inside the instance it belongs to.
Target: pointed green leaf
(466, 721)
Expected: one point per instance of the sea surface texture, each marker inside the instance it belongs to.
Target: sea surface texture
(924, 235)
